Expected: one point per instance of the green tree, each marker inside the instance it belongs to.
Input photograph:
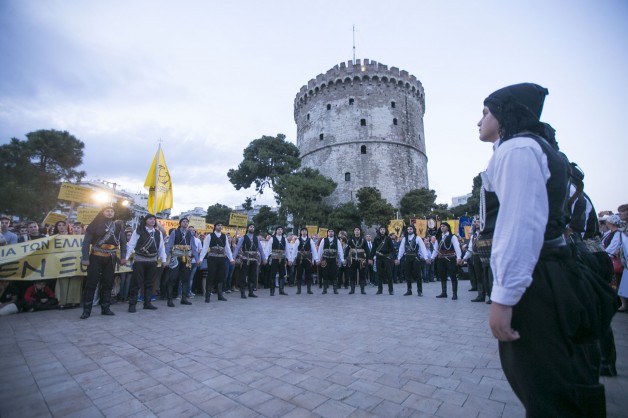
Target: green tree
(33, 170)
(373, 208)
(218, 213)
(417, 202)
(301, 195)
(266, 220)
(345, 216)
(265, 159)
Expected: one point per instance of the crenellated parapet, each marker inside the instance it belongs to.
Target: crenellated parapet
(362, 71)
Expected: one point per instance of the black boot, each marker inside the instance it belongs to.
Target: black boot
(409, 291)
(220, 296)
(362, 291)
(299, 287)
(380, 290)
(480, 298)
(149, 306)
(169, 293)
(104, 310)
(132, 308)
(251, 294)
(443, 285)
(208, 295)
(309, 289)
(352, 289)
(335, 289)
(454, 288)
(87, 310)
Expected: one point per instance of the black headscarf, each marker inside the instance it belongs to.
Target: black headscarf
(518, 108)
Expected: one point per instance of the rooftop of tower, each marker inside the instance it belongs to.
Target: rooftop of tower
(360, 70)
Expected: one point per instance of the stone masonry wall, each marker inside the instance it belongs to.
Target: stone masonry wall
(362, 125)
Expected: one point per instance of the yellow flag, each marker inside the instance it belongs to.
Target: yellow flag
(159, 184)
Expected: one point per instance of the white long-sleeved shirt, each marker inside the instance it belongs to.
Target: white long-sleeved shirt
(421, 245)
(615, 243)
(312, 248)
(130, 247)
(454, 241)
(517, 172)
(340, 256)
(206, 242)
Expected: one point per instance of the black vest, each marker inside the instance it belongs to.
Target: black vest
(279, 244)
(150, 250)
(248, 245)
(179, 239)
(304, 245)
(557, 193)
(214, 241)
(332, 246)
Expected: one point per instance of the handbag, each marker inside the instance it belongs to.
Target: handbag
(618, 268)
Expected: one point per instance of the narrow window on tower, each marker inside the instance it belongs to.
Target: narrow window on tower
(347, 176)
(308, 116)
(363, 149)
(394, 121)
(392, 104)
(350, 102)
(328, 106)
(320, 137)
(362, 122)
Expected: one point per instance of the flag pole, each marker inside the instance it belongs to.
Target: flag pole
(156, 178)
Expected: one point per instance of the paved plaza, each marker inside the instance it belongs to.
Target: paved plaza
(296, 356)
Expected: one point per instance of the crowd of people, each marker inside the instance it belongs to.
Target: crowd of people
(552, 297)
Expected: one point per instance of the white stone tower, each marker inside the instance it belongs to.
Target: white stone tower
(361, 124)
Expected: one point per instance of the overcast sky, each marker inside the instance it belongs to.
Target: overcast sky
(208, 77)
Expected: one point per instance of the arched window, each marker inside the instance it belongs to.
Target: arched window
(308, 116)
(363, 149)
(320, 137)
(362, 122)
(347, 176)
(328, 106)
(392, 104)
(351, 102)
(394, 121)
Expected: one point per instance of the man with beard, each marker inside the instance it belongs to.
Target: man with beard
(216, 247)
(104, 237)
(448, 256)
(251, 253)
(182, 249)
(383, 251)
(412, 251)
(305, 257)
(359, 256)
(330, 258)
(278, 261)
(148, 245)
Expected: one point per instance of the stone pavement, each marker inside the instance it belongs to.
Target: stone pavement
(297, 356)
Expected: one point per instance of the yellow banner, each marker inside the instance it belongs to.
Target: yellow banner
(454, 223)
(86, 215)
(168, 224)
(322, 232)
(311, 229)
(44, 258)
(396, 226)
(421, 227)
(197, 222)
(53, 217)
(75, 193)
(238, 219)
